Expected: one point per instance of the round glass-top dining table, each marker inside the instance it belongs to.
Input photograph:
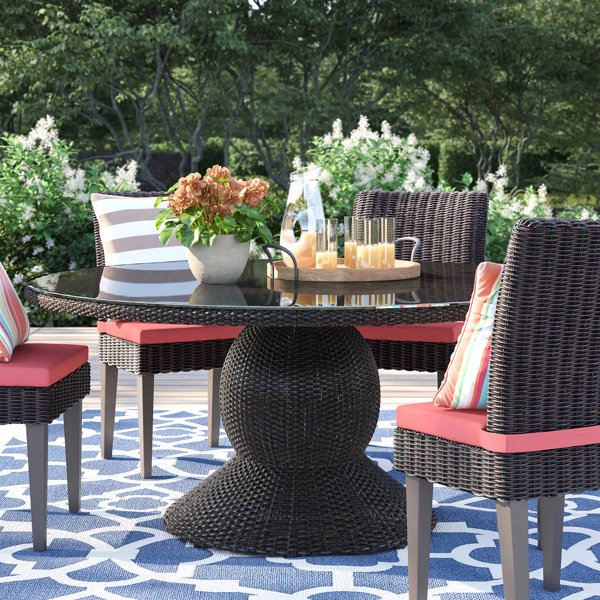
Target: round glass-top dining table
(299, 397)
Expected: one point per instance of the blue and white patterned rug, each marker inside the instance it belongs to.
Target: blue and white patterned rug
(117, 548)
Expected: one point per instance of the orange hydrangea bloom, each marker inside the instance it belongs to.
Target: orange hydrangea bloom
(219, 197)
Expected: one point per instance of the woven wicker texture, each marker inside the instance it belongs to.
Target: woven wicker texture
(544, 371)
(278, 317)
(452, 228)
(43, 404)
(545, 358)
(413, 356)
(451, 225)
(299, 406)
(162, 358)
(494, 475)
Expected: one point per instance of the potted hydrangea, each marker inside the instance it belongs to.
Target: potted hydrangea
(215, 217)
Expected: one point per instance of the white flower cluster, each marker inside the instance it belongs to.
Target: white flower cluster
(75, 185)
(528, 204)
(125, 176)
(367, 159)
(44, 135)
(28, 213)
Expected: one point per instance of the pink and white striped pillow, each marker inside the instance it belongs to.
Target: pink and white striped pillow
(14, 324)
(465, 384)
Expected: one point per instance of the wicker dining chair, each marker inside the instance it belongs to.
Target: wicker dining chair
(540, 435)
(452, 229)
(41, 382)
(147, 349)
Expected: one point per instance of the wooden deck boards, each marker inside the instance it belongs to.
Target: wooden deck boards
(190, 389)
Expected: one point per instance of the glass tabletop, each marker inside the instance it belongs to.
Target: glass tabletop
(172, 284)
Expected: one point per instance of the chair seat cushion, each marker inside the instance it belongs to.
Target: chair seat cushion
(41, 365)
(446, 333)
(469, 427)
(165, 333)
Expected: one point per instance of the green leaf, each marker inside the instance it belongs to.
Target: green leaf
(166, 234)
(207, 238)
(186, 218)
(186, 236)
(265, 233)
(243, 236)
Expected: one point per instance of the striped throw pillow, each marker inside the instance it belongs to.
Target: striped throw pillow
(138, 283)
(128, 231)
(14, 324)
(465, 384)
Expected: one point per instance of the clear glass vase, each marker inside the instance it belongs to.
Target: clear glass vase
(303, 209)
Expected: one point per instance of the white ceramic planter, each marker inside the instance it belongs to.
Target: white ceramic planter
(223, 262)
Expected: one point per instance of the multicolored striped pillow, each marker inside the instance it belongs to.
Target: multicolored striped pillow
(128, 231)
(14, 324)
(465, 384)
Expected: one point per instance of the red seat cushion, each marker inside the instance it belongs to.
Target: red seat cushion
(469, 427)
(165, 333)
(425, 332)
(41, 365)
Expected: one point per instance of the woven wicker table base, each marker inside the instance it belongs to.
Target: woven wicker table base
(247, 507)
(299, 405)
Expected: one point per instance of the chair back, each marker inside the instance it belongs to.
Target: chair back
(97, 240)
(451, 225)
(545, 351)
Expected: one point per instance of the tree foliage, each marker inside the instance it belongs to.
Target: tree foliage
(500, 79)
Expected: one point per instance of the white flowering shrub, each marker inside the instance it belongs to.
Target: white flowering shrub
(366, 160)
(505, 210)
(45, 209)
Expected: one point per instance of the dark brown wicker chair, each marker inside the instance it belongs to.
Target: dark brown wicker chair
(148, 359)
(41, 382)
(543, 407)
(452, 228)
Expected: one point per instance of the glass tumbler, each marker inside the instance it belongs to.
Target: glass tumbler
(387, 248)
(350, 242)
(327, 239)
(367, 244)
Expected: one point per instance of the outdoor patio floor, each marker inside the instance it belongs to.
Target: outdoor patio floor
(117, 547)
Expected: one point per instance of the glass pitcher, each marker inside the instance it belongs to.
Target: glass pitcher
(305, 207)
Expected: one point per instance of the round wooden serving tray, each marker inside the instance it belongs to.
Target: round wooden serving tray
(404, 269)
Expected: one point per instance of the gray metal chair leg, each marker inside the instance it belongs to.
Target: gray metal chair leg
(419, 496)
(37, 456)
(145, 394)
(108, 391)
(72, 418)
(514, 548)
(550, 522)
(540, 530)
(214, 409)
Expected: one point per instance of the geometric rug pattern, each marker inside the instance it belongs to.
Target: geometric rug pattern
(117, 547)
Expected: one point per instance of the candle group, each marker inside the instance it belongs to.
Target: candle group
(369, 243)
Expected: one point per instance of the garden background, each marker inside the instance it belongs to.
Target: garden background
(419, 94)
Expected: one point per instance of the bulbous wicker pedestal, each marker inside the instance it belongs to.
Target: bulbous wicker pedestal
(299, 405)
